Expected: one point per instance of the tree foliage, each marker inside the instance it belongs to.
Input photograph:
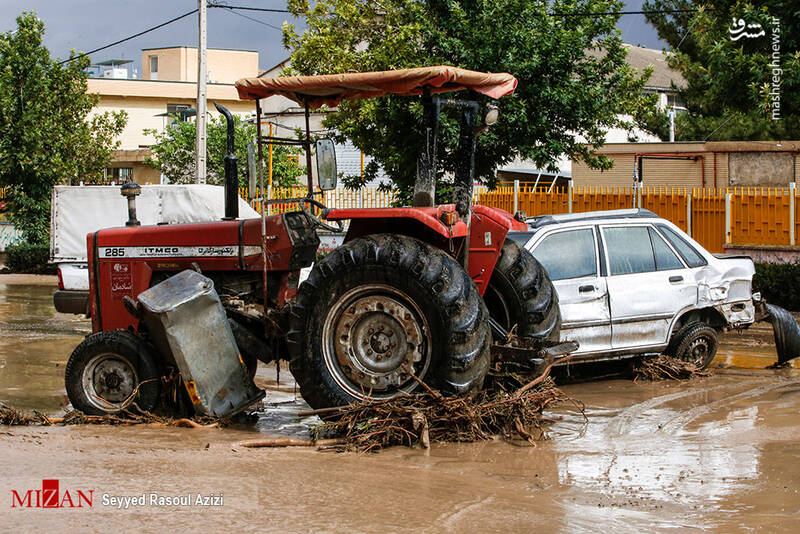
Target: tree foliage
(46, 134)
(174, 150)
(574, 83)
(729, 93)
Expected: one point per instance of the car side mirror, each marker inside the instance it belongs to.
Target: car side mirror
(326, 164)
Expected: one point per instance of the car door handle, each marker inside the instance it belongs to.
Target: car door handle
(586, 289)
(676, 279)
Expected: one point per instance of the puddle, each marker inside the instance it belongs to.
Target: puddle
(716, 453)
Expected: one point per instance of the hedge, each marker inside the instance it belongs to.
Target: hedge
(26, 258)
(779, 283)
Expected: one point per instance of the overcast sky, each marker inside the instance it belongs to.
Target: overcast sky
(89, 24)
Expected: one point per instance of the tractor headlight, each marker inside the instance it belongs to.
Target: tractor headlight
(492, 114)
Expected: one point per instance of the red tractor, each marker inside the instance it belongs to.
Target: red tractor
(414, 293)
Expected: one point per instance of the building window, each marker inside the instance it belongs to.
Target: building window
(119, 174)
(674, 101)
(153, 67)
(180, 110)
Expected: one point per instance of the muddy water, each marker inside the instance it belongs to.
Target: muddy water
(717, 454)
(35, 342)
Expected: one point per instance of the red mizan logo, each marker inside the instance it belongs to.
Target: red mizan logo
(50, 497)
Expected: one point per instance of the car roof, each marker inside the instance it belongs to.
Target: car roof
(545, 220)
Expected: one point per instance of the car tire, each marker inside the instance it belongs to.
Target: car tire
(111, 365)
(371, 286)
(695, 343)
(520, 293)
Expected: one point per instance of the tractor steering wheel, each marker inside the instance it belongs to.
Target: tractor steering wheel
(316, 220)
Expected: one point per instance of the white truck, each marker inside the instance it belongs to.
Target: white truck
(79, 210)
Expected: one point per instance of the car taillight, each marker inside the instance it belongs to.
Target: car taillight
(60, 279)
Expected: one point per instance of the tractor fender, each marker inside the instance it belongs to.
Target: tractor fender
(487, 231)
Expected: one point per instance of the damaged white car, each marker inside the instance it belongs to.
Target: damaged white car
(630, 283)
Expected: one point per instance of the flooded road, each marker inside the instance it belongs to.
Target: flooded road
(716, 454)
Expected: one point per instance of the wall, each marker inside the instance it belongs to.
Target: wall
(145, 100)
(761, 168)
(180, 64)
(721, 164)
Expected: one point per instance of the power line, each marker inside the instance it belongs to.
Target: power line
(230, 10)
(579, 14)
(620, 13)
(248, 8)
(170, 21)
(270, 10)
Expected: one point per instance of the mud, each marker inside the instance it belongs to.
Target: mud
(718, 454)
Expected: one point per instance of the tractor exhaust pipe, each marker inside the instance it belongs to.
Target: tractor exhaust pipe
(231, 171)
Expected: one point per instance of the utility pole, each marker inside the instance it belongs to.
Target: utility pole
(200, 145)
(671, 115)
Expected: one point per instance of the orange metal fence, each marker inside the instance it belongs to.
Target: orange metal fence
(713, 217)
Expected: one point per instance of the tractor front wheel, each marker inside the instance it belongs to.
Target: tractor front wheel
(110, 371)
(380, 309)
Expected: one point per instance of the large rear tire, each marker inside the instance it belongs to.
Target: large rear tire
(380, 306)
(520, 293)
(110, 371)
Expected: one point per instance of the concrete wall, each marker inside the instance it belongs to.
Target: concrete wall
(720, 164)
(180, 64)
(762, 168)
(145, 100)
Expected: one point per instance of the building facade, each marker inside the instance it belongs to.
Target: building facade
(168, 85)
(696, 164)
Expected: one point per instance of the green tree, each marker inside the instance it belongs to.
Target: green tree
(174, 150)
(574, 83)
(46, 133)
(730, 93)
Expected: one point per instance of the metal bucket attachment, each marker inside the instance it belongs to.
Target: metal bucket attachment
(185, 317)
(787, 333)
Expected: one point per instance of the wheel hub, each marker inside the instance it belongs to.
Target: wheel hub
(698, 350)
(109, 379)
(377, 339)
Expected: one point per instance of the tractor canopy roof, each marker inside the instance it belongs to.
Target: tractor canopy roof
(330, 89)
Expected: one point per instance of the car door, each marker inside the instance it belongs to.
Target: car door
(648, 285)
(572, 261)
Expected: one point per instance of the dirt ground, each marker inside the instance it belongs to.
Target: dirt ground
(719, 454)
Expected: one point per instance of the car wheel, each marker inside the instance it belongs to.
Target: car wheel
(695, 343)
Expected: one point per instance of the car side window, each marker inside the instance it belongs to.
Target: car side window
(569, 254)
(665, 258)
(629, 250)
(687, 251)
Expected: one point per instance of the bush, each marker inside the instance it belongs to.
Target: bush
(27, 258)
(779, 284)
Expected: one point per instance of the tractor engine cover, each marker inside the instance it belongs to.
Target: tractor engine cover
(186, 320)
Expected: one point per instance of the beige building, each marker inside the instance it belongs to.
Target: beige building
(696, 164)
(170, 87)
(179, 63)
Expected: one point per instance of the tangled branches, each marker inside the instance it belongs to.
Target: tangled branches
(429, 417)
(131, 416)
(664, 367)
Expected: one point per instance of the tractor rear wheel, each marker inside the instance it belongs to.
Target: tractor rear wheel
(380, 308)
(520, 293)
